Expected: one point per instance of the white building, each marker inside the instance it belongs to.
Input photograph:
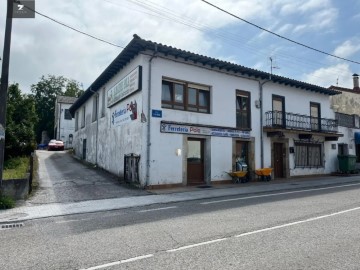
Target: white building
(64, 125)
(163, 116)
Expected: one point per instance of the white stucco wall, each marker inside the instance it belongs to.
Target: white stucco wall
(67, 126)
(166, 166)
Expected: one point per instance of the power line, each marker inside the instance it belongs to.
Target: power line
(72, 28)
(280, 36)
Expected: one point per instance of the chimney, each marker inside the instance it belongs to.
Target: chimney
(356, 82)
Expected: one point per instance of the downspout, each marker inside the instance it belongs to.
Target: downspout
(59, 122)
(97, 124)
(148, 142)
(261, 120)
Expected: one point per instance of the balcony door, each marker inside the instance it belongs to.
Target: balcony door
(315, 115)
(278, 108)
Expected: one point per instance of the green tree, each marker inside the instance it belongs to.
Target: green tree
(45, 93)
(73, 89)
(20, 121)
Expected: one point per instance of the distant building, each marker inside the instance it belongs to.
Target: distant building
(347, 110)
(64, 125)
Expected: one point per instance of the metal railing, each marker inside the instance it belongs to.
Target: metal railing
(285, 120)
(347, 120)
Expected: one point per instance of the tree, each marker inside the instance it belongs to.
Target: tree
(45, 93)
(20, 121)
(73, 89)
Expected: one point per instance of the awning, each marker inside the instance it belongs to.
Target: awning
(357, 137)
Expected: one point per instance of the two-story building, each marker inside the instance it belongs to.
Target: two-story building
(64, 124)
(158, 115)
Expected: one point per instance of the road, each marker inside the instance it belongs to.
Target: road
(312, 229)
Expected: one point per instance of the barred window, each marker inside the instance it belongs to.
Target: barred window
(308, 155)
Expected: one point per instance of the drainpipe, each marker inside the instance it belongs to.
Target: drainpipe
(261, 84)
(148, 142)
(97, 124)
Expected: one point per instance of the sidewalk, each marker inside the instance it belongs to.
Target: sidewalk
(24, 213)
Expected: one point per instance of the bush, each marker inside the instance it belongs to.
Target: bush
(6, 202)
(15, 168)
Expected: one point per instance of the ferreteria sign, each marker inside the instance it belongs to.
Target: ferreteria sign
(208, 131)
(124, 88)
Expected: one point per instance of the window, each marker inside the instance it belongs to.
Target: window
(95, 107)
(83, 117)
(308, 155)
(315, 115)
(243, 115)
(185, 96)
(76, 120)
(67, 115)
(103, 102)
(278, 107)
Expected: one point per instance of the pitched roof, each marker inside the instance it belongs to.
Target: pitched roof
(138, 45)
(66, 99)
(355, 90)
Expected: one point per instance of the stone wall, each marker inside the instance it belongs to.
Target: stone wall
(18, 189)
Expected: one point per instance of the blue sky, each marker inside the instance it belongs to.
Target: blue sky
(40, 46)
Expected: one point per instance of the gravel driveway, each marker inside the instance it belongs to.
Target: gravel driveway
(63, 179)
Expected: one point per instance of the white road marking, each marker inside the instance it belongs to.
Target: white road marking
(298, 222)
(223, 239)
(73, 220)
(157, 209)
(277, 194)
(120, 262)
(197, 245)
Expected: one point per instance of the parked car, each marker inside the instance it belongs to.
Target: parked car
(55, 145)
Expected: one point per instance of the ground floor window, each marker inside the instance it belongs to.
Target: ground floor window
(308, 155)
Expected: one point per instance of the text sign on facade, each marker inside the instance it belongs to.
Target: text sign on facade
(123, 113)
(128, 85)
(208, 131)
(156, 113)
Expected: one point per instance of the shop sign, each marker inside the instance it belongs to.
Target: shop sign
(124, 113)
(208, 131)
(128, 85)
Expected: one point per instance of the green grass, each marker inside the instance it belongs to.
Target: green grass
(6, 202)
(16, 168)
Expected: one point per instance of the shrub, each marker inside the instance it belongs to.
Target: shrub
(6, 202)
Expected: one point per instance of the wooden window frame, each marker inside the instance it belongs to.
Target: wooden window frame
(184, 105)
(241, 93)
(278, 118)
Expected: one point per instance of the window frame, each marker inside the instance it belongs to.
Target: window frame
(278, 116)
(315, 120)
(76, 120)
(103, 98)
(307, 162)
(184, 105)
(247, 94)
(83, 117)
(67, 114)
(95, 108)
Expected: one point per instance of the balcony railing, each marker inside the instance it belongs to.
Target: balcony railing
(347, 120)
(285, 120)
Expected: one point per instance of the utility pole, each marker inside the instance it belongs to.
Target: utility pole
(5, 83)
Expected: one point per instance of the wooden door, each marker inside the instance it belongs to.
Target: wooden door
(195, 161)
(278, 160)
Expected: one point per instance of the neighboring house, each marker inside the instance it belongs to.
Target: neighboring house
(162, 116)
(64, 125)
(347, 111)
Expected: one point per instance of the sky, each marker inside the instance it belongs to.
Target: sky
(40, 46)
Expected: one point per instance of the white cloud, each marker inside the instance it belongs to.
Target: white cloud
(347, 49)
(330, 75)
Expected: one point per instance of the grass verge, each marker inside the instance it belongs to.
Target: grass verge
(6, 202)
(16, 168)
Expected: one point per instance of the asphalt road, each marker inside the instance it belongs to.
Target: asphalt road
(64, 179)
(317, 229)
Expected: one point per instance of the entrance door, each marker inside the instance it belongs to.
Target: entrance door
(195, 161)
(278, 160)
